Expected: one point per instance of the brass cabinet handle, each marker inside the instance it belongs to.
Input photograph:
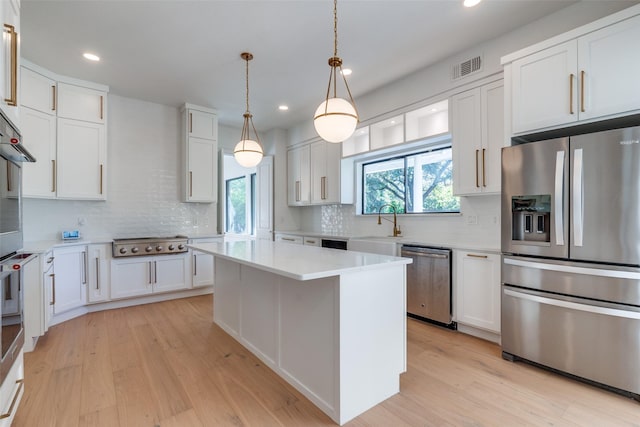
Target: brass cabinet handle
(190, 122)
(97, 273)
(155, 272)
(13, 99)
(571, 93)
(477, 183)
(8, 176)
(323, 187)
(288, 239)
(85, 262)
(50, 260)
(53, 176)
(190, 184)
(53, 289)
(484, 169)
(150, 274)
(582, 110)
(101, 107)
(53, 98)
(297, 191)
(101, 175)
(477, 256)
(7, 414)
(195, 265)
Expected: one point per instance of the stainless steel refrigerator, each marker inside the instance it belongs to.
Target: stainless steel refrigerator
(571, 256)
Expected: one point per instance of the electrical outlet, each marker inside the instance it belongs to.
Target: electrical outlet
(472, 219)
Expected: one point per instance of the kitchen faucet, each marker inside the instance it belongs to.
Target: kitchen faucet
(396, 229)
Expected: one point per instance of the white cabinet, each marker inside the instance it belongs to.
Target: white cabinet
(48, 289)
(477, 118)
(200, 152)
(82, 158)
(311, 241)
(11, 391)
(98, 272)
(81, 103)
(478, 289)
(289, 238)
(298, 164)
(593, 76)
(9, 59)
(64, 126)
(137, 276)
(34, 303)
(202, 264)
(325, 172)
(69, 287)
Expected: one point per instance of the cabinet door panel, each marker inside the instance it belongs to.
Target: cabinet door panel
(130, 278)
(39, 136)
(9, 62)
(81, 154)
(70, 278)
(202, 125)
(202, 178)
(466, 144)
(610, 70)
(478, 290)
(170, 274)
(81, 103)
(99, 261)
(37, 91)
(492, 135)
(202, 269)
(543, 88)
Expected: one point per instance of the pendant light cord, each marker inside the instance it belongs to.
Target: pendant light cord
(247, 80)
(335, 27)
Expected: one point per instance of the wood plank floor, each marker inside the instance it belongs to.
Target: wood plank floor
(167, 364)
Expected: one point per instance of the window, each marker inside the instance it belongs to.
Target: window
(418, 182)
(240, 206)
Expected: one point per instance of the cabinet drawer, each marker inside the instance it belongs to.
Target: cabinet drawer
(11, 391)
(289, 238)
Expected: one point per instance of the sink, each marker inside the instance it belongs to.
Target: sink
(375, 244)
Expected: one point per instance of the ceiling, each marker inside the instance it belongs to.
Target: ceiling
(171, 52)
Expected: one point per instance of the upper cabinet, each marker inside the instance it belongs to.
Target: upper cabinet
(200, 154)
(477, 126)
(298, 176)
(325, 172)
(589, 74)
(9, 59)
(64, 126)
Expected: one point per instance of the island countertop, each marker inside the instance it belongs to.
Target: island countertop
(297, 262)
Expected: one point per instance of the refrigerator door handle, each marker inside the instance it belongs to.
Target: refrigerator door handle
(574, 305)
(559, 199)
(572, 269)
(578, 198)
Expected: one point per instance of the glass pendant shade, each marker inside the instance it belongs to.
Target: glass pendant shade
(335, 120)
(248, 153)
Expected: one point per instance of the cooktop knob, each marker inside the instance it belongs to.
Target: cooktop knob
(148, 249)
(123, 251)
(181, 246)
(171, 247)
(159, 248)
(134, 250)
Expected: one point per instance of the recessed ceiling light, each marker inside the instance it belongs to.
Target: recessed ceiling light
(346, 71)
(471, 3)
(91, 56)
(283, 107)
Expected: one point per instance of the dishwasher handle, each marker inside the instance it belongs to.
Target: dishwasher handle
(425, 252)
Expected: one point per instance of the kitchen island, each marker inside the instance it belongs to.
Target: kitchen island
(332, 323)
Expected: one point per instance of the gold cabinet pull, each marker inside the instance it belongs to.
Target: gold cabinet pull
(477, 256)
(53, 289)
(288, 239)
(97, 273)
(297, 191)
(477, 183)
(101, 177)
(195, 265)
(53, 97)
(323, 187)
(582, 110)
(190, 122)
(53, 176)
(13, 99)
(101, 107)
(190, 184)
(571, 93)
(484, 169)
(14, 400)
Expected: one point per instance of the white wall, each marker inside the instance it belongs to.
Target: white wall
(433, 83)
(144, 183)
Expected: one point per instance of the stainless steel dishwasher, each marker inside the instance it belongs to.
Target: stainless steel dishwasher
(429, 284)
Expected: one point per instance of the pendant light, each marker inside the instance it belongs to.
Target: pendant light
(248, 152)
(336, 118)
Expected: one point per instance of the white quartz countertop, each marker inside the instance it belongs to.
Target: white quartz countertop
(297, 261)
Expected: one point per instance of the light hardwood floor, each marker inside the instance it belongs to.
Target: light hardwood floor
(167, 364)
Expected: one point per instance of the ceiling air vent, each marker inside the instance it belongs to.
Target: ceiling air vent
(466, 67)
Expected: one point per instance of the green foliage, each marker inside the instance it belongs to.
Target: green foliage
(236, 205)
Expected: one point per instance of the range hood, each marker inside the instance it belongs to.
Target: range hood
(11, 147)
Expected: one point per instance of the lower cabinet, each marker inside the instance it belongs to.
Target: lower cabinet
(135, 276)
(98, 272)
(48, 285)
(289, 238)
(11, 391)
(202, 264)
(33, 303)
(478, 289)
(69, 288)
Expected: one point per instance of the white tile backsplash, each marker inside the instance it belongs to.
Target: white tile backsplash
(144, 183)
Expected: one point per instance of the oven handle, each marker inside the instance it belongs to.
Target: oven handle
(574, 306)
(618, 274)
